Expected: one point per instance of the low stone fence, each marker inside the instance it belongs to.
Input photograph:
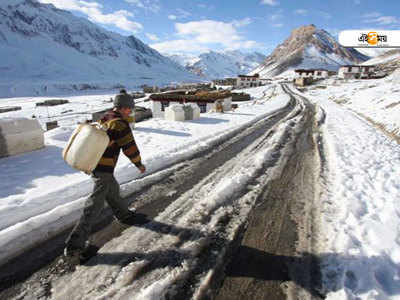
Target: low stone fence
(240, 97)
(52, 102)
(5, 109)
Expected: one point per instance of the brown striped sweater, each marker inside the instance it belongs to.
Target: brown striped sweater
(121, 137)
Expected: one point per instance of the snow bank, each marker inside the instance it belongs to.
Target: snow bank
(377, 99)
(360, 211)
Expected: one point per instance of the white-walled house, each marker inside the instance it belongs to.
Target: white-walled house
(159, 102)
(355, 72)
(226, 82)
(313, 73)
(244, 81)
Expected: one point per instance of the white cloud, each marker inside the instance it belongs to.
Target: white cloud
(138, 3)
(324, 14)
(177, 46)
(378, 18)
(77, 5)
(387, 20)
(242, 23)
(152, 37)
(183, 13)
(151, 5)
(196, 36)
(180, 14)
(371, 15)
(94, 12)
(270, 2)
(301, 12)
(206, 6)
(275, 17)
(209, 31)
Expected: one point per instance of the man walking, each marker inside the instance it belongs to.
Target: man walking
(106, 188)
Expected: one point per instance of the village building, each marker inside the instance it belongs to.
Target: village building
(314, 73)
(303, 81)
(356, 72)
(231, 82)
(192, 86)
(244, 81)
(206, 101)
(308, 76)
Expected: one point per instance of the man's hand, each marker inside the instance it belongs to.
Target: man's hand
(142, 169)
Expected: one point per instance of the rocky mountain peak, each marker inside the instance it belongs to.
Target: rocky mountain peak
(309, 47)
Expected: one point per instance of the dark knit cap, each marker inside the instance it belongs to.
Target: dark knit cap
(123, 100)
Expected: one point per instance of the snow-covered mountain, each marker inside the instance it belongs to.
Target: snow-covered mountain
(45, 49)
(373, 52)
(308, 47)
(184, 59)
(387, 62)
(212, 65)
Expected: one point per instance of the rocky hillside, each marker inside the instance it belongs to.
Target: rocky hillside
(308, 47)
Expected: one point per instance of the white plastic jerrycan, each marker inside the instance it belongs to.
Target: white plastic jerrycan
(85, 147)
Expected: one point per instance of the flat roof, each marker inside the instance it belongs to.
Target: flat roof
(256, 76)
(309, 70)
(358, 66)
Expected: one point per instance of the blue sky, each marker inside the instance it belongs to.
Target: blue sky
(195, 26)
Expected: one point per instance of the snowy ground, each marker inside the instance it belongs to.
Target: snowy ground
(360, 217)
(41, 195)
(360, 213)
(377, 99)
(79, 109)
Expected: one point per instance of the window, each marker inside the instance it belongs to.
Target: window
(164, 104)
(319, 73)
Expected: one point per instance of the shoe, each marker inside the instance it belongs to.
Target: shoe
(79, 256)
(88, 253)
(134, 219)
(72, 255)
